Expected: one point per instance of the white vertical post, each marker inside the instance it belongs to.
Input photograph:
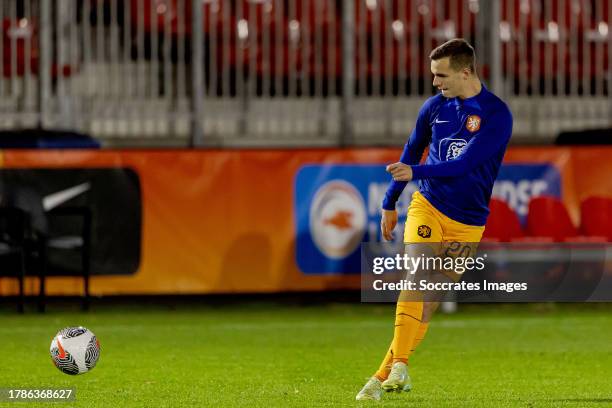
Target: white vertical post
(348, 71)
(45, 61)
(495, 48)
(197, 60)
(609, 45)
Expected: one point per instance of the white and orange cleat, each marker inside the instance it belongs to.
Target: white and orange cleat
(398, 379)
(372, 390)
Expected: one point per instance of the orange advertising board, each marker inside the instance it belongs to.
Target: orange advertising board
(225, 221)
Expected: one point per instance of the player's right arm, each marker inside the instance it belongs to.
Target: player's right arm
(413, 151)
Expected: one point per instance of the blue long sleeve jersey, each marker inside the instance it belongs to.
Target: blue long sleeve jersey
(467, 140)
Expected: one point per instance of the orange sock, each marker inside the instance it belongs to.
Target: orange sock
(420, 335)
(408, 316)
(385, 367)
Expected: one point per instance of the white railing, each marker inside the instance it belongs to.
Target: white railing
(291, 72)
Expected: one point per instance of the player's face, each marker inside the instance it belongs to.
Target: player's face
(445, 79)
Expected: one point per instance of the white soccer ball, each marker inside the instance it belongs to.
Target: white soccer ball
(75, 350)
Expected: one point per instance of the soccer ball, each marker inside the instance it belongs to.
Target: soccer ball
(75, 350)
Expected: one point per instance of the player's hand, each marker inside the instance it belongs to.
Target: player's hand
(388, 223)
(400, 171)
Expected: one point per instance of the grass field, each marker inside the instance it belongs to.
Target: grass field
(266, 354)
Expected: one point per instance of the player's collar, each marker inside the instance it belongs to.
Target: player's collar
(472, 102)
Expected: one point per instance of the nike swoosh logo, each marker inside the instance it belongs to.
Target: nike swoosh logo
(442, 121)
(62, 352)
(60, 197)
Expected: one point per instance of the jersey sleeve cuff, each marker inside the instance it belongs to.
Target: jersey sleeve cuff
(388, 204)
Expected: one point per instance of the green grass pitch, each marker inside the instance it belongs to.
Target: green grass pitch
(265, 354)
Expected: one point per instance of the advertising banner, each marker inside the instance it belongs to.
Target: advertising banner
(252, 221)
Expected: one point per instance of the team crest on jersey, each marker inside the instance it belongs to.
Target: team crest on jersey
(424, 231)
(473, 123)
(455, 148)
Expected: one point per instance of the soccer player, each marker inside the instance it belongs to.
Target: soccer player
(467, 129)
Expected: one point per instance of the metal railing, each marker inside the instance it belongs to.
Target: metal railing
(291, 72)
(556, 64)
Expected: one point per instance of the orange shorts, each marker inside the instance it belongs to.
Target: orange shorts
(426, 224)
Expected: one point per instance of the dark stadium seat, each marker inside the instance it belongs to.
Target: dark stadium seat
(45, 249)
(548, 218)
(596, 217)
(13, 247)
(75, 244)
(503, 224)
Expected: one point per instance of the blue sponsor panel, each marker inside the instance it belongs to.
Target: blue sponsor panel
(338, 206)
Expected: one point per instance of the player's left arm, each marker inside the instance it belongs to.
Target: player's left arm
(493, 136)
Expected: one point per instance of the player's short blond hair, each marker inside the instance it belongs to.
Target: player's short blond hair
(461, 54)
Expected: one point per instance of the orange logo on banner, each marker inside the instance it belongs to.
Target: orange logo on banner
(473, 123)
(340, 220)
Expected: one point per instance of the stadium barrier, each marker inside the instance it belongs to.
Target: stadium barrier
(218, 221)
(291, 72)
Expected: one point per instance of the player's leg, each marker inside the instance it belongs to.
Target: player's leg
(398, 378)
(459, 240)
(395, 365)
(422, 236)
(385, 366)
(424, 216)
(424, 221)
(421, 226)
